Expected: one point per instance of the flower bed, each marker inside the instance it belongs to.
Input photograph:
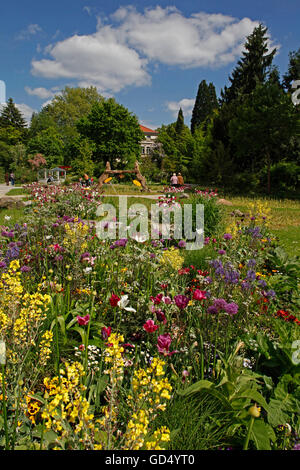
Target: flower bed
(112, 345)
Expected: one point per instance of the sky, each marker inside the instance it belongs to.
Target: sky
(149, 56)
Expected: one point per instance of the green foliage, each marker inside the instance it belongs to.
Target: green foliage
(252, 69)
(114, 131)
(205, 104)
(49, 143)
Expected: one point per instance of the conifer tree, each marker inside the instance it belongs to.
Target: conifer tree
(252, 69)
(179, 123)
(11, 116)
(205, 104)
(293, 72)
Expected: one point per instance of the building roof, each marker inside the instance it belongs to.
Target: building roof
(146, 130)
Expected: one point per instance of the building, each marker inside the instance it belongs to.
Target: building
(148, 144)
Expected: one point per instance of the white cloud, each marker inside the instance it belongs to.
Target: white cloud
(167, 36)
(123, 48)
(186, 104)
(99, 58)
(26, 111)
(40, 92)
(26, 33)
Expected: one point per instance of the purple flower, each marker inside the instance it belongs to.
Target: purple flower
(232, 308)
(212, 309)
(222, 252)
(152, 255)
(181, 301)
(182, 244)
(262, 283)
(163, 345)
(251, 263)
(25, 269)
(220, 304)
(227, 236)
(297, 446)
(251, 275)
(2, 264)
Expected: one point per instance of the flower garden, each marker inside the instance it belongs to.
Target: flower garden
(130, 345)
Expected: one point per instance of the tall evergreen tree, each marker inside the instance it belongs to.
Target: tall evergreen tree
(293, 72)
(205, 104)
(11, 116)
(252, 68)
(179, 123)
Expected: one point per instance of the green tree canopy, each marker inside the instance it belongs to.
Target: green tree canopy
(115, 132)
(264, 122)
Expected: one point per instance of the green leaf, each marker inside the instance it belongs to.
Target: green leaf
(195, 388)
(261, 434)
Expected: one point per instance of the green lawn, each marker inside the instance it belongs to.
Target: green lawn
(284, 220)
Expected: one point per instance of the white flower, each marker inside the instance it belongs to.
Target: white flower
(7, 217)
(88, 270)
(123, 302)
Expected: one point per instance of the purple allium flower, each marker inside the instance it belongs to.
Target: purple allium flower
(181, 301)
(206, 240)
(212, 309)
(222, 252)
(296, 446)
(152, 255)
(182, 244)
(232, 308)
(227, 236)
(25, 269)
(220, 304)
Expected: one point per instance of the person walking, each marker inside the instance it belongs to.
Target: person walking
(174, 180)
(7, 179)
(12, 179)
(180, 180)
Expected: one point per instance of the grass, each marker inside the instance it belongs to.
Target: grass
(16, 192)
(284, 221)
(17, 216)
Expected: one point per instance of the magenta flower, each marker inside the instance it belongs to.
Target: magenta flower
(199, 294)
(150, 326)
(163, 345)
(181, 301)
(106, 332)
(83, 320)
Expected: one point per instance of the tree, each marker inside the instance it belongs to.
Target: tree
(293, 72)
(11, 116)
(252, 68)
(205, 104)
(179, 123)
(49, 143)
(115, 132)
(264, 122)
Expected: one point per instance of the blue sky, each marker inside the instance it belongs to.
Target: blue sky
(150, 56)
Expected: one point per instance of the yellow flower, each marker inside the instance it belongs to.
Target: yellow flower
(137, 183)
(108, 180)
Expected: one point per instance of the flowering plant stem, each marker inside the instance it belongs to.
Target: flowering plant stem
(246, 443)
(4, 408)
